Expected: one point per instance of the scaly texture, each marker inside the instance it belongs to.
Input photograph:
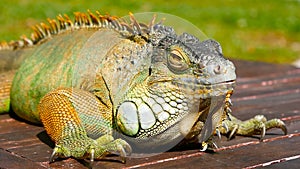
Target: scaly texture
(98, 78)
(5, 85)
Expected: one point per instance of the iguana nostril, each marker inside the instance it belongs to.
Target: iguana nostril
(217, 69)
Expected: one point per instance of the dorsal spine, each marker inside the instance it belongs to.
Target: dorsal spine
(89, 20)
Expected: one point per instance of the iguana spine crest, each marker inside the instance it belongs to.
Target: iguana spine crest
(82, 20)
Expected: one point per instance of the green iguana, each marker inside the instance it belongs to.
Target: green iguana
(100, 86)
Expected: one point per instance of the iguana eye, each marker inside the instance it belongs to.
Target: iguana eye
(176, 61)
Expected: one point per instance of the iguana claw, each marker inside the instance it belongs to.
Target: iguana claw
(224, 125)
(204, 146)
(210, 143)
(51, 159)
(218, 133)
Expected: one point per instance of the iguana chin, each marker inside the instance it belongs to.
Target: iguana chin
(96, 78)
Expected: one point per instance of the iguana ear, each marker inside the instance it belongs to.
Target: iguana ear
(150, 71)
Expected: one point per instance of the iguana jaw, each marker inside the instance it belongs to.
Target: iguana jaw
(205, 90)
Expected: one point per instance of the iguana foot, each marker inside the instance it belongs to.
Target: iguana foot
(67, 114)
(254, 126)
(85, 147)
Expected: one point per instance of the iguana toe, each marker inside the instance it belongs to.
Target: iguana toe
(276, 123)
(233, 131)
(119, 147)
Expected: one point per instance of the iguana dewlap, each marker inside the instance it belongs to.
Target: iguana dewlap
(97, 84)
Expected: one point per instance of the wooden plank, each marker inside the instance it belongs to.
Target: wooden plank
(235, 156)
(10, 160)
(289, 162)
(256, 69)
(271, 90)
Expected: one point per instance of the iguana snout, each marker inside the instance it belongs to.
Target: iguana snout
(210, 66)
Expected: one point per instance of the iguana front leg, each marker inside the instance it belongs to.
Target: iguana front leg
(257, 125)
(70, 116)
(232, 126)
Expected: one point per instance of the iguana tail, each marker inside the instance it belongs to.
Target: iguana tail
(11, 57)
(5, 85)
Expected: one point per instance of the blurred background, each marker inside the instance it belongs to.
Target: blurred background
(267, 31)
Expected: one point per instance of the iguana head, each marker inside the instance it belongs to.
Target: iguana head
(185, 77)
(196, 70)
(191, 64)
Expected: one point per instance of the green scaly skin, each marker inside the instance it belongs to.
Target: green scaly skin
(149, 86)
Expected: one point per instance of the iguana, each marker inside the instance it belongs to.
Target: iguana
(102, 86)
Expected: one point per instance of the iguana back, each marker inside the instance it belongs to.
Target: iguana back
(74, 59)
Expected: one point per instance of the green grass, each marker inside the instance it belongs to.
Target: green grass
(257, 30)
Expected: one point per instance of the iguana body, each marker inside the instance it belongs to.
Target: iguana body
(91, 79)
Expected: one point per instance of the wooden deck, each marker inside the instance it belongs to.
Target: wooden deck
(272, 90)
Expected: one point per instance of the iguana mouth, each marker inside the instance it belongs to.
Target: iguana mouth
(202, 82)
(205, 89)
(226, 82)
